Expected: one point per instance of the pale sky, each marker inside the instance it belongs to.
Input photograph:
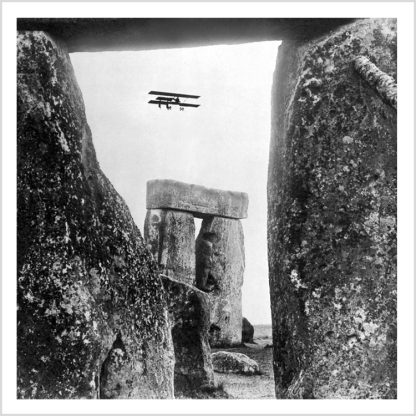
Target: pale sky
(222, 144)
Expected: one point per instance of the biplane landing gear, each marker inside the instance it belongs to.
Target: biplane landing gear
(181, 109)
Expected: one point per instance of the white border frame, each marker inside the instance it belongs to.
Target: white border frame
(404, 13)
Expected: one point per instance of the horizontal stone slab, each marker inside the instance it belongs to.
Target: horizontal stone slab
(130, 34)
(201, 201)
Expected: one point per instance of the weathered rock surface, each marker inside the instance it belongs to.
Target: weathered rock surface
(104, 34)
(92, 316)
(201, 201)
(332, 218)
(189, 315)
(170, 236)
(221, 275)
(384, 84)
(234, 362)
(247, 331)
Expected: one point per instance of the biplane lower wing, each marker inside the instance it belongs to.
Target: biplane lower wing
(171, 94)
(186, 105)
(173, 103)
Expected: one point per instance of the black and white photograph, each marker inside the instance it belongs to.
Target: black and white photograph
(206, 208)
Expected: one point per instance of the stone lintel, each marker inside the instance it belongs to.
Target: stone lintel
(112, 34)
(199, 200)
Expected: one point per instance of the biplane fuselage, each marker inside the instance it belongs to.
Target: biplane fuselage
(169, 99)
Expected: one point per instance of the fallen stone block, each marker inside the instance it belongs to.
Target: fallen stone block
(234, 362)
(253, 346)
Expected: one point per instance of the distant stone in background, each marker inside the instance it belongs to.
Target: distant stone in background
(214, 263)
(234, 362)
(189, 316)
(225, 278)
(92, 317)
(248, 331)
(332, 238)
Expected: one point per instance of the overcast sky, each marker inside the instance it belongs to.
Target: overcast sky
(222, 144)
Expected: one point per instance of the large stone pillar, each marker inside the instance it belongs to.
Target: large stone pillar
(170, 236)
(190, 322)
(220, 271)
(92, 316)
(332, 216)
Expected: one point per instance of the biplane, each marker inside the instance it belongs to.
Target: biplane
(169, 99)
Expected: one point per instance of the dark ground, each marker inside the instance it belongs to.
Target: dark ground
(251, 387)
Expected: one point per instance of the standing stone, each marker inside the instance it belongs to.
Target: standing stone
(220, 252)
(170, 236)
(332, 218)
(215, 263)
(248, 331)
(92, 316)
(190, 321)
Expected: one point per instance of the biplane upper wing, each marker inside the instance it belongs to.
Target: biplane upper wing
(169, 99)
(171, 94)
(173, 103)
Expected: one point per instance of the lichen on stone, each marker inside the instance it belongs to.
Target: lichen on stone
(84, 274)
(332, 218)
